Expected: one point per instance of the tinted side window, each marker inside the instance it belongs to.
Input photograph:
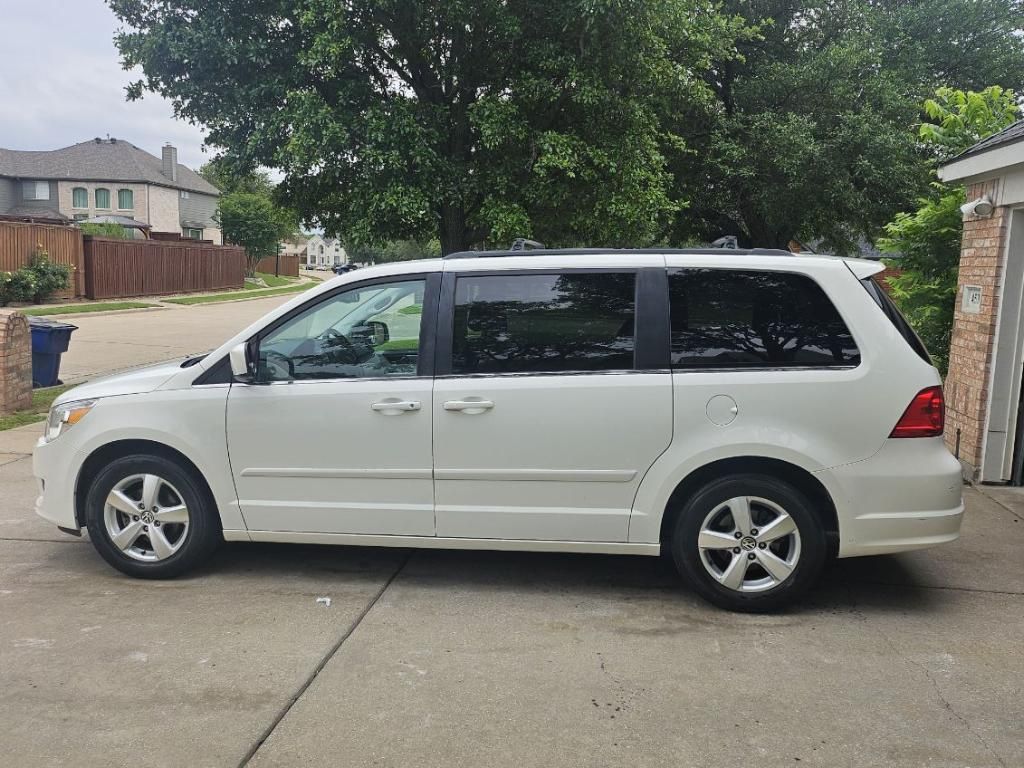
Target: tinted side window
(544, 323)
(747, 319)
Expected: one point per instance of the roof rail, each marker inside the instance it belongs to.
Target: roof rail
(591, 251)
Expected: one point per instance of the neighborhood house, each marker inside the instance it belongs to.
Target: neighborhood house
(109, 178)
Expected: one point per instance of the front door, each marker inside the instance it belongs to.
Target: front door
(336, 435)
(547, 413)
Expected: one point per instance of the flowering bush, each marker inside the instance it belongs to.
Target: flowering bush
(47, 277)
(16, 286)
(34, 282)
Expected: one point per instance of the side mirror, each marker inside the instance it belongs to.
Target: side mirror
(378, 332)
(239, 357)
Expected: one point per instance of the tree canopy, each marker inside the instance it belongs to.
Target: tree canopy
(927, 240)
(812, 140)
(465, 120)
(603, 122)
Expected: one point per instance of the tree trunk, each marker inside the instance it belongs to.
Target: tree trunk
(453, 228)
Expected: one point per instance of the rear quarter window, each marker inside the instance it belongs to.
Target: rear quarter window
(891, 311)
(723, 318)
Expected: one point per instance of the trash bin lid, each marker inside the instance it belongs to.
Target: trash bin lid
(50, 325)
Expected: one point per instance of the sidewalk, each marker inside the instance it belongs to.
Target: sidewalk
(18, 443)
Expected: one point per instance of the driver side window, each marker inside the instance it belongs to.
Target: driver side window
(370, 331)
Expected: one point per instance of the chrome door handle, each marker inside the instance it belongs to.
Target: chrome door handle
(468, 406)
(396, 405)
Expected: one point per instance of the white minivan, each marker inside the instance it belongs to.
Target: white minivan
(752, 413)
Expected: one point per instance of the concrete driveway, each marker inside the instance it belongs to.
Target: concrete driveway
(454, 658)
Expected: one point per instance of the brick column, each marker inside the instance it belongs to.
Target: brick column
(970, 353)
(15, 362)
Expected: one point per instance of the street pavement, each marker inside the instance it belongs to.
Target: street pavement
(108, 342)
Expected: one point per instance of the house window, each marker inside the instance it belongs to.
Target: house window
(79, 197)
(102, 197)
(36, 190)
(125, 199)
(184, 194)
(190, 233)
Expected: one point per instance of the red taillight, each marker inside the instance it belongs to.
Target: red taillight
(924, 417)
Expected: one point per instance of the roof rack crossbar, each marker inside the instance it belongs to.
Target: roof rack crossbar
(591, 251)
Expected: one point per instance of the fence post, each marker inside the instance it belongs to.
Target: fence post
(15, 362)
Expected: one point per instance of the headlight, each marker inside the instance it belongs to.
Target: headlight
(63, 417)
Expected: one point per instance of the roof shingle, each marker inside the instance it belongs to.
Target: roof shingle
(1012, 133)
(99, 160)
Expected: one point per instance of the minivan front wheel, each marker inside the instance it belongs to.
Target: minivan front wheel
(749, 543)
(150, 517)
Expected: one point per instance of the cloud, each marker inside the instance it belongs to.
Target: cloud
(61, 82)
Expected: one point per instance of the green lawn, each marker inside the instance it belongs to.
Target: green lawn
(77, 309)
(41, 400)
(275, 282)
(237, 295)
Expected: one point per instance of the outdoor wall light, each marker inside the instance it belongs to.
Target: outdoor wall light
(980, 207)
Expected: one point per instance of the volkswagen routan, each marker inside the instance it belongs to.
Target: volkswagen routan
(749, 414)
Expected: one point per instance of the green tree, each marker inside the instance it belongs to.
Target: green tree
(811, 139)
(928, 239)
(229, 177)
(253, 222)
(469, 121)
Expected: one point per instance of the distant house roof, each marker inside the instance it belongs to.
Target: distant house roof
(99, 160)
(1009, 135)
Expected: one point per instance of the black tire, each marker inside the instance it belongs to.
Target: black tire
(691, 562)
(197, 542)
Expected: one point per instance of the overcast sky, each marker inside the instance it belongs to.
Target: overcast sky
(61, 82)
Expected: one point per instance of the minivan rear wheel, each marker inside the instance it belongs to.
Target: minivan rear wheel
(150, 517)
(749, 543)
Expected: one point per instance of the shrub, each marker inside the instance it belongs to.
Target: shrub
(5, 282)
(16, 286)
(109, 229)
(45, 277)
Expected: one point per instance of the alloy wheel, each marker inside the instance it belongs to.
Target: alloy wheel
(749, 544)
(146, 517)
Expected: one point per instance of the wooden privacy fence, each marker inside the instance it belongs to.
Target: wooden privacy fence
(289, 265)
(64, 244)
(123, 268)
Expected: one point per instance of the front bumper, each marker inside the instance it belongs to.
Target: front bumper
(907, 496)
(56, 470)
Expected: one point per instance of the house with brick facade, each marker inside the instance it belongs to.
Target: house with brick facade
(984, 408)
(109, 177)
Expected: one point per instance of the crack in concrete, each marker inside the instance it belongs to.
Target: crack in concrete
(322, 663)
(999, 503)
(863, 617)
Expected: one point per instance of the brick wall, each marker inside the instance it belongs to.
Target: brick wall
(970, 354)
(15, 362)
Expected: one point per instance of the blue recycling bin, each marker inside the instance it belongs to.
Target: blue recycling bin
(50, 339)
